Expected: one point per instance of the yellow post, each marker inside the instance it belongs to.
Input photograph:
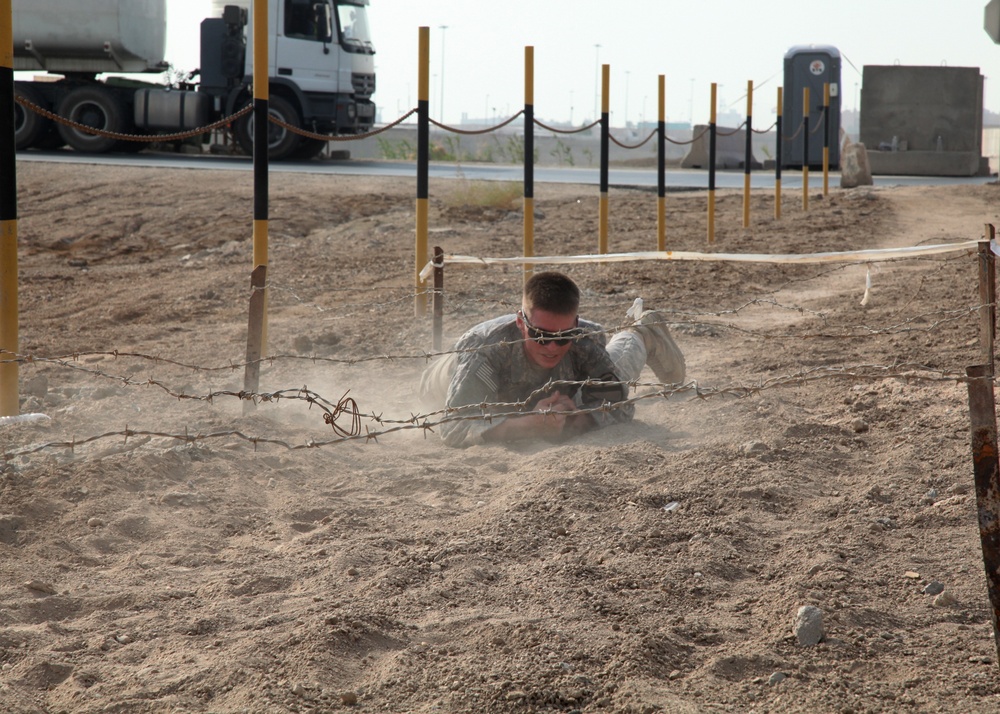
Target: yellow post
(261, 94)
(9, 402)
(711, 169)
(605, 116)
(746, 171)
(661, 199)
(826, 147)
(423, 115)
(777, 154)
(805, 159)
(529, 158)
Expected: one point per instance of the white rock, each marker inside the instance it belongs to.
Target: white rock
(808, 628)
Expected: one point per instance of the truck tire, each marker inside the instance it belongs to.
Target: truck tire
(97, 108)
(51, 139)
(308, 149)
(281, 143)
(29, 126)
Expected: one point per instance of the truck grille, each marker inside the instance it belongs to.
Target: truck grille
(363, 85)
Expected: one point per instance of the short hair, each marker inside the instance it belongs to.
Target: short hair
(552, 292)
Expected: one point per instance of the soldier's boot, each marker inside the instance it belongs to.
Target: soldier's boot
(663, 355)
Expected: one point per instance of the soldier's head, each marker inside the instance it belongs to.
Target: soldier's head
(548, 317)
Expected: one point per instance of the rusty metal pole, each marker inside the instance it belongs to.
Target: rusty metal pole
(255, 335)
(987, 299)
(438, 298)
(986, 467)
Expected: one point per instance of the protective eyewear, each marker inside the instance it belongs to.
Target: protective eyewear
(544, 337)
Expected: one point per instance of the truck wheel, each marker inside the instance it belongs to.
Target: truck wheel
(281, 143)
(97, 108)
(308, 148)
(29, 126)
(51, 139)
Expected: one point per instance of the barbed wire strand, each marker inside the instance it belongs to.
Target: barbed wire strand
(493, 411)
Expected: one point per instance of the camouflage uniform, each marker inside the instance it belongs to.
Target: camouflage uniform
(495, 370)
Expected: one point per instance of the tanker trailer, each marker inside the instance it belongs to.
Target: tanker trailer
(321, 73)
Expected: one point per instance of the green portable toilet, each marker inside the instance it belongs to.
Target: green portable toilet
(810, 66)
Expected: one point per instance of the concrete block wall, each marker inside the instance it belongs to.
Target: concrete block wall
(924, 121)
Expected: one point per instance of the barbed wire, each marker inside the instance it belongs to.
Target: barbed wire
(489, 412)
(923, 323)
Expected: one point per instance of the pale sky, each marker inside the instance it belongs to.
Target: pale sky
(692, 43)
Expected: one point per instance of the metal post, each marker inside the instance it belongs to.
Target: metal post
(255, 336)
(987, 299)
(602, 246)
(826, 138)
(779, 141)
(983, 430)
(423, 167)
(529, 157)
(437, 302)
(805, 148)
(748, 158)
(661, 167)
(9, 402)
(257, 316)
(711, 165)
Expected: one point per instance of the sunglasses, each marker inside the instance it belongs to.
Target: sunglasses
(544, 337)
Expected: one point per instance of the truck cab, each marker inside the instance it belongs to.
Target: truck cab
(321, 64)
(321, 71)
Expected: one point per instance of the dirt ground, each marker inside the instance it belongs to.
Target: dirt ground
(163, 551)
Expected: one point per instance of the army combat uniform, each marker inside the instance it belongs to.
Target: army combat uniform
(489, 367)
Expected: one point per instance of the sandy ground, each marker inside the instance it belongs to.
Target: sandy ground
(163, 551)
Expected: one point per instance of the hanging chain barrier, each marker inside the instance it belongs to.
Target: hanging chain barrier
(225, 122)
(346, 137)
(150, 138)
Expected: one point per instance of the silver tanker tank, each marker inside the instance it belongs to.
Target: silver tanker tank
(90, 36)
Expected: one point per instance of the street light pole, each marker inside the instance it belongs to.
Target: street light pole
(441, 112)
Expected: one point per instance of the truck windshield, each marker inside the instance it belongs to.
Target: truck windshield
(352, 21)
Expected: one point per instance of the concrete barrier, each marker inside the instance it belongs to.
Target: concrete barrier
(730, 149)
(928, 163)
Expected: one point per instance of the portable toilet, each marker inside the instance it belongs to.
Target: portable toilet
(812, 67)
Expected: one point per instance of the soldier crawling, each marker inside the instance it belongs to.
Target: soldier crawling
(514, 358)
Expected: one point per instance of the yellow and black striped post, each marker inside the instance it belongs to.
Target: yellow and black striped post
(8, 220)
(529, 157)
(779, 142)
(711, 165)
(261, 96)
(257, 314)
(748, 157)
(826, 138)
(602, 239)
(423, 165)
(661, 167)
(805, 148)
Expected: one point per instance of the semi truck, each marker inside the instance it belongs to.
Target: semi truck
(321, 71)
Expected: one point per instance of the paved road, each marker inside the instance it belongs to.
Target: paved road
(677, 179)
